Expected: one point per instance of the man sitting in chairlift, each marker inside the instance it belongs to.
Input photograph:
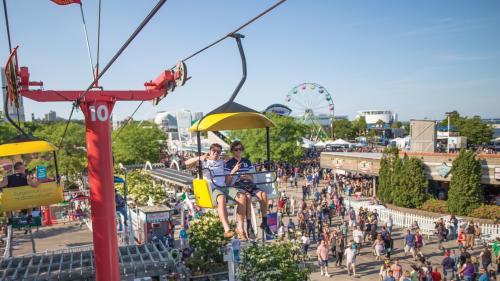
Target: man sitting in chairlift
(239, 171)
(213, 171)
(18, 178)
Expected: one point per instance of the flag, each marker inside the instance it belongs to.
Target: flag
(67, 2)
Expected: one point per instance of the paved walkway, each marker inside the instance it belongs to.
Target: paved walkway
(367, 267)
(54, 237)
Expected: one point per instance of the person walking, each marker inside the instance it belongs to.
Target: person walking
(468, 271)
(389, 246)
(350, 255)
(448, 265)
(322, 253)
(378, 247)
(340, 250)
(305, 243)
(397, 269)
(485, 256)
(409, 242)
(436, 276)
(469, 235)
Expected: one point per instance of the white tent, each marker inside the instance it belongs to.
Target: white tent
(339, 142)
(320, 144)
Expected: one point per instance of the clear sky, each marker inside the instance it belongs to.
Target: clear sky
(418, 58)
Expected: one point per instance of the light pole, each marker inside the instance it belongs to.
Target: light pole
(448, 139)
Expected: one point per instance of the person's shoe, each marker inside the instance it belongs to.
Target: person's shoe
(251, 234)
(327, 275)
(322, 274)
(229, 233)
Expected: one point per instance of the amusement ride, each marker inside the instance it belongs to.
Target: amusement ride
(313, 104)
(97, 105)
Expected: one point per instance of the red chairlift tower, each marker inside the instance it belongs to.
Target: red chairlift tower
(97, 106)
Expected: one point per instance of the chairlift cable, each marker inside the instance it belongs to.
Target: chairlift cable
(110, 63)
(98, 38)
(230, 34)
(128, 120)
(124, 46)
(87, 42)
(236, 30)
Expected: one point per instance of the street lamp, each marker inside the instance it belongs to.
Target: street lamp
(448, 139)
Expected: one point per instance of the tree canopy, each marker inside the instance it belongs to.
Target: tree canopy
(465, 192)
(476, 131)
(285, 139)
(138, 142)
(343, 129)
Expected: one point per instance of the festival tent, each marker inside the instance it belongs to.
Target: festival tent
(320, 144)
(339, 142)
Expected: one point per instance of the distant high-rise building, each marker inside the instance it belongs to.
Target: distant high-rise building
(197, 116)
(14, 113)
(51, 116)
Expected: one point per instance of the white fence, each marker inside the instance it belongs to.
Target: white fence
(426, 224)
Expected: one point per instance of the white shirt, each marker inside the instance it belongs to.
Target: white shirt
(357, 235)
(350, 255)
(215, 168)
(305, 240)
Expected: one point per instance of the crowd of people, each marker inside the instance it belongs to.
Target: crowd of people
(340, 233)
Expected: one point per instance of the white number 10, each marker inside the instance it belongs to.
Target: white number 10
(101, 113)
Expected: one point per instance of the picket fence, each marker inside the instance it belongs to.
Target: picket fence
(489, 232)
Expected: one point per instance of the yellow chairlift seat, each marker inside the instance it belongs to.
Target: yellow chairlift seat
(24, 197)
(232, 116)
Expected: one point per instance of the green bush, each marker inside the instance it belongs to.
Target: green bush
(206, 236)
(465, 192)
(486, 212)
(276, 261)
(435, 205)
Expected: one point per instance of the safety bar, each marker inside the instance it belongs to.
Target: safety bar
(273, 172)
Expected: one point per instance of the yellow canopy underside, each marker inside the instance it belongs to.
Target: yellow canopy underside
(232, 121)
(26, 147)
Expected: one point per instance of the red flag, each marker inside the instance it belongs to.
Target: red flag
(66, 2)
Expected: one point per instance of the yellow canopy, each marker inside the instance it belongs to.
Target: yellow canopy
(232, 121)
(25, 147)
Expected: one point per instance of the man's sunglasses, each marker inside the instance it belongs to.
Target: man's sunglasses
(216, 151)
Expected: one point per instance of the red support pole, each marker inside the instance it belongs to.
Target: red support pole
(102, 194)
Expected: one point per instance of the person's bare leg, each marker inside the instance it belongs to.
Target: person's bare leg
(222, 211)
(249, 206)
(262, 196)
(241, 200)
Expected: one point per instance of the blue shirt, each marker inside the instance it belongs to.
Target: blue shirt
(245, 167)
(410, 240)
(484, 277)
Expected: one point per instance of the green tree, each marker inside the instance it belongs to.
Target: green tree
(273, 261)
(465, 192)
(140, 187)
(410, 188)
(359, 126)
(285, 140)
(206, 236)
(389, 163)
(7, 132)
(397, 125)
(71, 156)
(474, 129)
(138, 143)
(343, 129)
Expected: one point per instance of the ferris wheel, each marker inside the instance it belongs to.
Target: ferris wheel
(313, 104)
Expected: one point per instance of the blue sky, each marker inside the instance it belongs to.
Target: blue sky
(419, 58)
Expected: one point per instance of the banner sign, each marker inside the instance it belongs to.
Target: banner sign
(25, 197)
(41, 172)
